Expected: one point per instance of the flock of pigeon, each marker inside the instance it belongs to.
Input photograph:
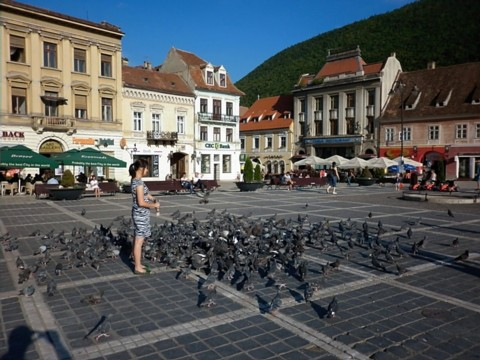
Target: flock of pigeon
(242, 251)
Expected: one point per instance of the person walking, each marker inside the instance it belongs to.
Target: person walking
(143, 201)
(333, 179)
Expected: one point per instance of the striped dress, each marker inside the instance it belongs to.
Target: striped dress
(140, 215)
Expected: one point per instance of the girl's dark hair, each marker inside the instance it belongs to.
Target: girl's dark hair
(137, 164)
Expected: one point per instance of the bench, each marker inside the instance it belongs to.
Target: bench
(175, 186)
(42, 189)
(110, 188)
(298, 183)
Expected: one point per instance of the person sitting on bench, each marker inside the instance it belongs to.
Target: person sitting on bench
(197, 182)
(186, 184)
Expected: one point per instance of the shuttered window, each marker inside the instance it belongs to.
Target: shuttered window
(80, 60)
(80, 106)
(106, 65)
(17, 48)
(19, 101)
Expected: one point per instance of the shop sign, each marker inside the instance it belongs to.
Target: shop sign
(337, 140)
(105, 142)
(216, 146)
(51, 146)
(13, 135)
(83, 141)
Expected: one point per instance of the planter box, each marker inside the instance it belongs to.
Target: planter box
(253, 186)
(365, 181)
(66, 194)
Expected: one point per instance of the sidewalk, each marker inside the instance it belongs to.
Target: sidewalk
(432, 311)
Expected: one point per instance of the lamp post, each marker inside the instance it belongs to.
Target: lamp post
(400, 86)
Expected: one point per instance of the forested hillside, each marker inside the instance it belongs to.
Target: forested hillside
(445, 31)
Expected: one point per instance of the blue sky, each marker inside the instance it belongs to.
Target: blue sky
(238, 34)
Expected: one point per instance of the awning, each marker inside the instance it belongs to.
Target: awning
(88, 157)
(20, 156)
(57, 99)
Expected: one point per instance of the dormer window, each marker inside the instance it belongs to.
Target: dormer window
(209, 77)
(412, 99)
(443, 97)
(223, 80)
(475, 95)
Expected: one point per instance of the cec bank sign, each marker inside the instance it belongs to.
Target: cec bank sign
(216, 146)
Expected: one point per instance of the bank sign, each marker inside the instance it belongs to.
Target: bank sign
(216, 146)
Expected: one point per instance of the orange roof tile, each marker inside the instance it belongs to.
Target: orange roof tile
(146, 79)
(341, 66)
(275, 107)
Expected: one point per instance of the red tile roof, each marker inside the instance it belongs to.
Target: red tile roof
(275, 107)
(342, 66)
(140, 78)
(196, 66)
(432, 84)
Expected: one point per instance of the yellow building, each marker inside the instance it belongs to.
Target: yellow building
(61, 81)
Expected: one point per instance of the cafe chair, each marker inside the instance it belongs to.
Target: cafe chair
(12, 188)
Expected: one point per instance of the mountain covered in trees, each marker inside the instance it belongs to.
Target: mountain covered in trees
(444, 31)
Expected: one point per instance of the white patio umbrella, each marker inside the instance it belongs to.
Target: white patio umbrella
(408, 161)
(310, 160)
(335, 158)
(354, 163)
(381, 163)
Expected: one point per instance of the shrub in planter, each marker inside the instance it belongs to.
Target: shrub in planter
(257, 175)
(366, 173)
(68, 180)
(252, 179)
(248, 170)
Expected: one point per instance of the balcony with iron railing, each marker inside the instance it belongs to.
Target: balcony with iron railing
(217, 118)
(162, 136)
(51, 123)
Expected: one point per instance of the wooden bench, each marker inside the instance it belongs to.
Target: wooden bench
(42, 189)
(298, 183)
(109, 188)
(175, 186)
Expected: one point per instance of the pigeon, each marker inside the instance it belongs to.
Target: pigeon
(51, 287)
(455, 242)
(449, 213)
(207, 298)
(41, 249)
(463, 256)
(422, 243)
(28, 291)
(415, 248)
(93, 299)
(370, 215)
(103, 328)
(409, 232)
(377, 264)
(83, 212)
(20, 263)
(24, 275)
(332, 308)
(308, 291)
(275, 303)
(58, 269)
(400, 270)
(306, 205)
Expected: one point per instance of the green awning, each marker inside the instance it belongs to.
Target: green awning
(20, 156)
(88, 157)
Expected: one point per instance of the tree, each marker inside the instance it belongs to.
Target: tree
(68, 180)
(257, 176)
(248, 170)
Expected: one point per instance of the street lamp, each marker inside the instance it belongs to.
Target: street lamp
(400, 86)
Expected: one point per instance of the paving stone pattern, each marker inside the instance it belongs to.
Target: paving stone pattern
(432, 311)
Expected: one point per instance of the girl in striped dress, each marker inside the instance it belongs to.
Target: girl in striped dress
(142, 203)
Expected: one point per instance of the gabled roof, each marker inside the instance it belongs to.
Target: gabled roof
(272, 112)
(196, 67)
(341, 66)
(428, 86)
(146, 79)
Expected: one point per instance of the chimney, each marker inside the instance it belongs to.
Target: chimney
(431, 65)
(147, 65)
(393, 54)
(125, 61)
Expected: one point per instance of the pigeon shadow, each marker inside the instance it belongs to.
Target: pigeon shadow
(201, 298)
(321, 311)
(296, 295)
(263, 305)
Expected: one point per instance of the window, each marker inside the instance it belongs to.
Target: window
(256, 143)
(227, 163)
(181, 124)
(407, 134)
(50, 55)
(107, 109)
(351, 100)
(137, 120)
(205, 164)
(203, 133)
(156, 122)
(334, 102)
(229, 108)
(319, 103)
(152, 163)
(217, 109)
(477, 131)
(242, 143)
(79, 60)
(216, 134)
(333, 126)
(209, 77)
(19, 101)
(371, 97)
(283, 142)
(318, 128)
(17, 48)
(106, 65)
(268, 142)
(389, 134)
(350, 126)
(461, 131)
(203, 106)
(80, 106)
(223, 80)
(51, 107)
(229, 133)
(433, 132)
